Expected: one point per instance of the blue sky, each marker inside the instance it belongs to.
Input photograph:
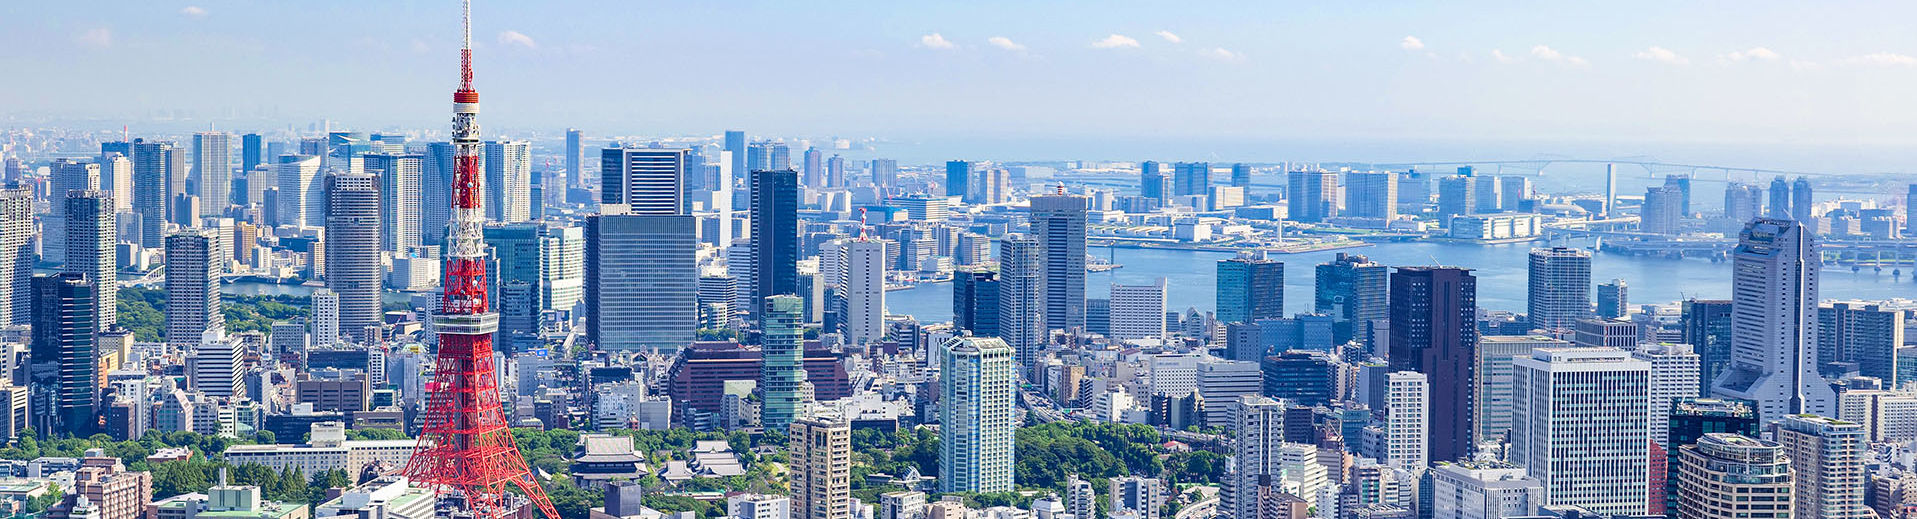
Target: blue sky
(1757, 72)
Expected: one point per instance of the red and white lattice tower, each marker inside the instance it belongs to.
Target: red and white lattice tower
(466, 453)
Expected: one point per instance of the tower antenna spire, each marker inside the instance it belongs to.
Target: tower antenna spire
(466, 46)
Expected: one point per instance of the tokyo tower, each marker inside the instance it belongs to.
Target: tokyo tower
(465, 451)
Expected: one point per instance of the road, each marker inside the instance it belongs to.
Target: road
(1199, 510)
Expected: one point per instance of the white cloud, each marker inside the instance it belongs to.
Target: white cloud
(510, 38)
(98, 37)
(1550, 54)
(1222, 54)
(1501, 57)
(419, 46)
(1662, 54)
(1168, 36)
(1755, 53)
(936, 41)
(1883, 59)
(1411, 43)
(1004, 43)
(193, 11)
(1116, 41)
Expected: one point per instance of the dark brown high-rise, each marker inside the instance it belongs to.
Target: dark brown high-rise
(1434, 313)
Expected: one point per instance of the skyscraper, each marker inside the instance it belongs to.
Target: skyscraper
(302, 197)
(1489, 193)
(1058, 222)
(775, 234)
(1910, 211)
(252, 152)
(1580, 425)
(1351, 289)
(1138, 311)
(91, 231)
(1827, 464)
(862, 282)
(1706, 326)
(641, 281)
(885, 174)
(1152, 182)
(1021, 306)
(977, 378)
(1661, 213)
(67, 175)
(1780, 196)
(213, 165)
(1867, 334)
(1491, 399)
(436, 192)
(325, 318)
(352, 252)
(1689, 420)
(735, 142)
(813, 169)
(1241, 175)
(576, 158)
(1433, 314)
(1717, 478)
(1773, 323)
(1560, 289)
(400, 199)
(782, 376)
(1249, 289)
(975, 301)
(1258, 427)
(508, 180)
(116, 177)
(1742, 202)
(195, 259)
(646, 181)
(1191, 178)
(1801, 200)
(958, 179)
(1457, 196)
(65, 353)
(1512, 192)
(214, 367)
(154, 179)
(1372, 194)
(1407, 420)
(16, 255)
(1311, 196)
(1673, 378)
(821, 461)
(1613, 300)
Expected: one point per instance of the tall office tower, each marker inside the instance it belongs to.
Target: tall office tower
(775, 235)
(813, 171)
(1259, 426)
(1457, 196)
(862, 283)
(116, 177)
(1780, 199)
(821, 461)
(1673, 377)
(1414, 192)
(1152, 182)
(400, 199)
(1221, 382)
(302, 197)
(576, 158)
(885, 174)
(65, 353)
(1241, 175)
(91, 236)
(1302, 377)
(1351, 289)
(436, 192)
(643, 181)
(213, 166)
(1191, 178)
(1311, 196)
(1827, 464)
(1491, 409)
(782, 375)
(1579, 424)
(153, 187)
(214, 366)
(1719, 476)
(977, 378)
(251, 188)
(1773, 323)
(1681, 183)
(352, 252)
(1512, 192)
(1613, 300)
(1560, 289)
(1138, 311)
(958, 179)
(186, 208)
(1910, 211)
(1407, 420)
(1021, 307)
(508, 180)
(641, 281)
(1801, 200)
(1867, 334)
(1690, 419)
(67, 175)
(252, 152)
(195, 259)
(1434, 314)
(1610, 191)
(835, 172)
(1488, 194)
(325, 317)
(1742, 202)
(1660, 213)
(1249, 289)
(1371, 194)
(735, 142)
(1058, 222)
(1706, 326)
(16, 254)
(975, 301)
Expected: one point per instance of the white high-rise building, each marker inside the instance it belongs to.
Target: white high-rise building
(116, 177)
(16, 255)
(1138, 311)
(758, 506)
(1483, 491)
(325, 318)
(1674, 375)
(1221, 382)
(302, 197)
(977, 379)
(1020, 307)
(1827, 464)
(91, 234)
(214, 366)
(862, 281)
(508, 167)
(1258, 425)
(1774, 323)
(1492, 398)
(1559, 294)
(1175, 374)
(213, 165)
(1867, 333)
(67, 175)
(1580, 425)
(195, 259)
(352, 253)
(1407, 420)
(400, 199)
